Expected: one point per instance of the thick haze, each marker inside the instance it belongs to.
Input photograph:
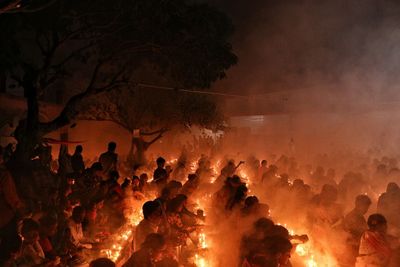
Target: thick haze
(350, 47)
(330, 69)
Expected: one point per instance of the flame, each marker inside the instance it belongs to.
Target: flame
(193, 167)
(215, 170)
(302, 250)
(311, 262)
(310, 255)
(121, 239)
(202, 240)
(199, 260)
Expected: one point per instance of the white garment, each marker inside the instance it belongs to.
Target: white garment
(76, 232)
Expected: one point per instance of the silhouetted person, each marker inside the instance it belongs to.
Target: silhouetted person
(10, 202)
(389, 204)
(355, 224)
(78, 166)
(149, 253)
(10, 250)
(160, 175)
(152, 219)
(102, 262)
(109, 159)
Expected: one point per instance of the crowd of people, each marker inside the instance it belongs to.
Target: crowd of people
(66, 211)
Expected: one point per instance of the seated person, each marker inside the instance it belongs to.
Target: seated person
(150, 223)
(32, 253)
(375, 246)
(10, 248)
(47, 230)
(355, 224)
(178, 231)
(271, 252)
(102, 262)
(75, 228)
(150, 252)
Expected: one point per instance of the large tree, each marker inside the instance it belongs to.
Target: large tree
(90, 48)
(147, 113)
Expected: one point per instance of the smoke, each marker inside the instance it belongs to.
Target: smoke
(329, 69)
(330, 45)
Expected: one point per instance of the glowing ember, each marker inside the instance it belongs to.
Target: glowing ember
(202, 240)
(302, 250)
(310, 256)
(199, 260)
(122, 238)
(311, 262)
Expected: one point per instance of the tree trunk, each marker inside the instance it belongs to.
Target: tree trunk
(136, 156)
(27, 132)
(3, 83)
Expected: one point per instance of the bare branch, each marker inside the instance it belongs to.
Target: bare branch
(15, 7)
(73, 55)
(98, 118)
(154, 140)
(162, 130)
(39, 43)
(94, 75)
(115, 81)
(49, 81)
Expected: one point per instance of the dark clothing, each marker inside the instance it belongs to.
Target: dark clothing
(9, 200)
(141, 258)
(160, 176)
(47, 247)
(109, 161)
(78, 166)
(355, 224)
(389, 205)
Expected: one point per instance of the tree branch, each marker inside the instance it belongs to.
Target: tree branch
(41, 47)
(114, 82)
(15, 7)
(162, 130)
(93, 78)
(97, 118)
(73, 55)
(148, 144)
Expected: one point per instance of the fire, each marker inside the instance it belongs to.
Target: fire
(122, 238)
(202, 240)
(215, 170)
(302, 250)
(311, 257)
(199, 260)
(311, 262)
(193, 167)
(309, 254)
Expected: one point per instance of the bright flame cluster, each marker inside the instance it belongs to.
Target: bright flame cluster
(122, 238)
(200, 261)
(120, 241)
(311, 257)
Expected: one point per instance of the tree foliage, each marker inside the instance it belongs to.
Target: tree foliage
(93, 48)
